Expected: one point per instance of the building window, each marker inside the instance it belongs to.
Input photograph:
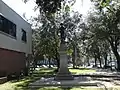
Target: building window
(24, 36)
(1, 23)
(7, 26)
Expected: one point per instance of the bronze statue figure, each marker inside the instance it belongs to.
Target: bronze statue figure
(62, 33)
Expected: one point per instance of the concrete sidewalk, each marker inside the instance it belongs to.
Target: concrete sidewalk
(100, 79)
(78, 81)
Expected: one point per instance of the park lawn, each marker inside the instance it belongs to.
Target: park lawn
(79, 88)
(22, 84)
(50, 71)
(12, 86)
(82, 71)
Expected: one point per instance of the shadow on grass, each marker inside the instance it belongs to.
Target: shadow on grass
(67, 88)
(44, 71)
(82, 68)
(55, 88)
(23, 83)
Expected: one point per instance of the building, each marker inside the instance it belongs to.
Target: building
(15, 41)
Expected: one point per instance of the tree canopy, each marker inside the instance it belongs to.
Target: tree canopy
(95, 39)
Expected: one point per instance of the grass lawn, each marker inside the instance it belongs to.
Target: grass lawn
(22, 84)
(78, 88)
(82, 71)
(13, 86)
(50, 71)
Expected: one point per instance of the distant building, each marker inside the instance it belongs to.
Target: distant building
(15, 40)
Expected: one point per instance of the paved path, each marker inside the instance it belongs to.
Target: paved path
(101, 78)
(78, 81)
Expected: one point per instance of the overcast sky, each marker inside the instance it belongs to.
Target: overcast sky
(20, 7)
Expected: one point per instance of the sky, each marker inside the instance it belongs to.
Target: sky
(20, 7)
(82, 6)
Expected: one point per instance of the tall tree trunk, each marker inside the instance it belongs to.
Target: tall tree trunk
(74, 56)
(73, 60)
(95, 61)
(100, 62)
(34, 64)
(98, 57)
(57, 58)
(58, 61)
(88, 61)
(105, 58)
(49, 62)
(114, 49)
(118, 59)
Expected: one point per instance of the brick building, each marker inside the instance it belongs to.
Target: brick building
(15, 40)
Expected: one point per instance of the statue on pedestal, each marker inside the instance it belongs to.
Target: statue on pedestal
(62, 33)
(63, 72)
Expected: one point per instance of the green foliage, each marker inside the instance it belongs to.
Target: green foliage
(105, 3)
(52, 6)
(47, 41)
(104, 29)
(69, 52)
(46, 38)
(67, 8)
(89, 38)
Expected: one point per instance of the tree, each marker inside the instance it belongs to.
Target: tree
(46, 41)
(51, 6)
(53, 12)
(107, 29)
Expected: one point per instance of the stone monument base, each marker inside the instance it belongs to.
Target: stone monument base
(64, 75)
(46, 82)
(63, 72)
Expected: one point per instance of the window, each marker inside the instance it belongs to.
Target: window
(7, 26)
(24, 37)
(1, 21)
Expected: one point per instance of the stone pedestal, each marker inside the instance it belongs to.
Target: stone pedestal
(63, 73)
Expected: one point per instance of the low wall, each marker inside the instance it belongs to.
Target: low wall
(11, 62)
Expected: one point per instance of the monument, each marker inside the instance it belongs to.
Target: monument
(63, 72)
(63, 78)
